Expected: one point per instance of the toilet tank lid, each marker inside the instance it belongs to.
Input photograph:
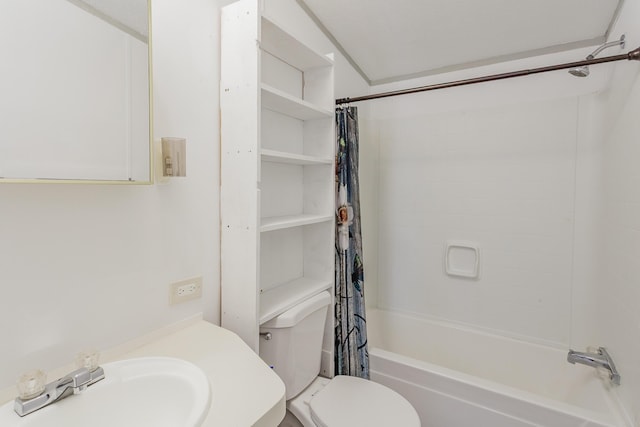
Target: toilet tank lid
(298, 312)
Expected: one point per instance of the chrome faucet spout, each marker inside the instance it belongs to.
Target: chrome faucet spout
(589, 359)
(601, 359)
(73, 383)
(76, 381)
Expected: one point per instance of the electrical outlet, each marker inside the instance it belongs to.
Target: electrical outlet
(185, 290)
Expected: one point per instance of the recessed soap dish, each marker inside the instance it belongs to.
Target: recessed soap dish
(462, 259)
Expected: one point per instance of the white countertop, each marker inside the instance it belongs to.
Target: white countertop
(244, 390)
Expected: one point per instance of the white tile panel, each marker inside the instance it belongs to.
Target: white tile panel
(503, 177)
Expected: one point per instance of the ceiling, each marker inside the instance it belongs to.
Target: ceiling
(395, 40)
(128, 15)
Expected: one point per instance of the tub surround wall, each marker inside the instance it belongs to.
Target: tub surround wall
(457, 376)
(619, 223)
(369, 168)
(494, 164)
(619, 295)
(413, 123)
(496, 177)
(587, 261)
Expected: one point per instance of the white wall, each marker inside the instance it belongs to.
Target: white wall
(89, 265)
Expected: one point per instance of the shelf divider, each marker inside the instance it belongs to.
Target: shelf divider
(281, 102)
(293, 158)
(289, 221)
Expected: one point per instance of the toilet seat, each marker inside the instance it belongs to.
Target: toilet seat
(349, 401)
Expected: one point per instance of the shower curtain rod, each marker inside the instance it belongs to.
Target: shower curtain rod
(633, 55)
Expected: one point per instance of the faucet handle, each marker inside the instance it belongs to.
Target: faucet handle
(88, 359)
(614, 375)
(31, 384)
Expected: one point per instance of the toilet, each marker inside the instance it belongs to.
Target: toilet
(294, 351)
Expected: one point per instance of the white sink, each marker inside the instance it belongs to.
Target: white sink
(150, 391)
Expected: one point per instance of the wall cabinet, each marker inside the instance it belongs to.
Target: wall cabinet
(277, 173)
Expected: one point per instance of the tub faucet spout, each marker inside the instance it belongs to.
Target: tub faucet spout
(600, 359)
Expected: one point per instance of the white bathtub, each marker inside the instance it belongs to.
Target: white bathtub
(458, 377)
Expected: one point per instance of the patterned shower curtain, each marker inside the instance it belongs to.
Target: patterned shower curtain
(351, 356)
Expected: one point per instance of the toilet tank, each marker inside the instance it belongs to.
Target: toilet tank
(295, 348)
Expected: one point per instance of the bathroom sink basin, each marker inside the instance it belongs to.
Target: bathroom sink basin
(149, 391)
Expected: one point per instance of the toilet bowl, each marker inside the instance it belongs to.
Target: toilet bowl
(294, 351)
(351, 402)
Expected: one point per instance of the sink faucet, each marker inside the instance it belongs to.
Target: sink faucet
(73, 383)
(601, 359)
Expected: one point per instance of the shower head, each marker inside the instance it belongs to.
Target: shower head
(583, 71)
(580, 71)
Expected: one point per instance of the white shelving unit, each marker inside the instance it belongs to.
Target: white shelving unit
(277, 172)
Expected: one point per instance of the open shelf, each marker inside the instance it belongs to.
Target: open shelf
(294, 159)
(277, 233)
(280, 222)
(281, 102)
(283, 45)
(277, 300)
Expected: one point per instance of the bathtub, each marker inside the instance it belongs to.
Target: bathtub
(457, 377)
